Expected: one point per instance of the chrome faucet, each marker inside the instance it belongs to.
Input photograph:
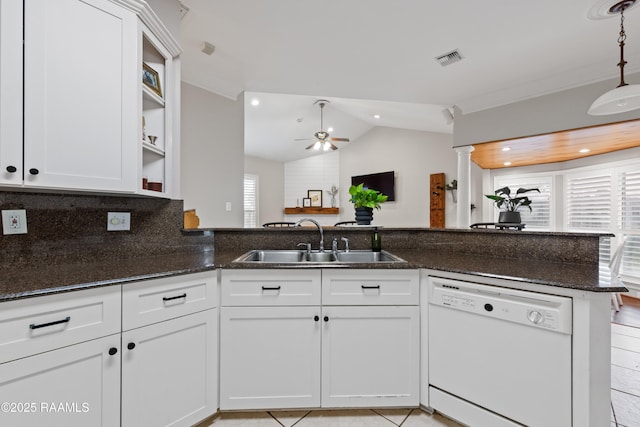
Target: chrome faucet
(319, 229)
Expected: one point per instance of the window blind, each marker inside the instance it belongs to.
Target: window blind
(589, 203)
(588, 206)
(250, 201)
(629, 221)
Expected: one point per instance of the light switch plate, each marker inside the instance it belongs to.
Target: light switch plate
(118, 221)
(14, 221)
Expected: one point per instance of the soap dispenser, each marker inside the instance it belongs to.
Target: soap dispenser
(376, 242)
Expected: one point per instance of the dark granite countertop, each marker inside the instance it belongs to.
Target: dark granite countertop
(573, 276)
(53, 277)
(28, 281)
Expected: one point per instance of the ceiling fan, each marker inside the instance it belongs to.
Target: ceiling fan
(322, 136)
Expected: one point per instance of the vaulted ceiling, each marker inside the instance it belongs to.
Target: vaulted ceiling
(378, 57)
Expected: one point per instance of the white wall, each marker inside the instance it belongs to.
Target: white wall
(270, 187)
(318, 172)
(413, 155)
(212, 156)
(548, 113)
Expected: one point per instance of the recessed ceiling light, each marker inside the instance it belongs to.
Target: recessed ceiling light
(376, 116)
(584, 150)
(330, 129)
(507, 163)
(255, 102)
(506, 149)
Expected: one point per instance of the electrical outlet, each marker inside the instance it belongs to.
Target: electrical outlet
(118, 221)
(14, 221)
(228, 206)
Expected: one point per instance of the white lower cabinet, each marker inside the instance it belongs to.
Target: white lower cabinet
(71, 359)
(169, 372)
(282, 349)
(370, 356)
(270, 357)
(169, 351)
(74, 386)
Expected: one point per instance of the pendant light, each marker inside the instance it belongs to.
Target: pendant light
(624, 97)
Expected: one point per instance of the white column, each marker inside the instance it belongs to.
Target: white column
(463, 209)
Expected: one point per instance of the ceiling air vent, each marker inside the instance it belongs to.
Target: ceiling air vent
(449, 58)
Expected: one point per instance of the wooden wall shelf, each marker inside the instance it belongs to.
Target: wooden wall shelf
(311, 211)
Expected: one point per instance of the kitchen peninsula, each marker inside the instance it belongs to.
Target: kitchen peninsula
(559, 264)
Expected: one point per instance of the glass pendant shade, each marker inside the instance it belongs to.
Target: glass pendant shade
(618, 100)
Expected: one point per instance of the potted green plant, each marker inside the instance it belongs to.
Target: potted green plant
(511, 204)
(365, 200)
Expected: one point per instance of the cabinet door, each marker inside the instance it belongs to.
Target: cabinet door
(169, 372)
(370, 356)
(75, 386)
(269, 357)
(11, 92)
(80, 104)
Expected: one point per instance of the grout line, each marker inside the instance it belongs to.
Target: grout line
(301, 418)
(625, 392)
(380, 415)
(407, 417)
(277, 420)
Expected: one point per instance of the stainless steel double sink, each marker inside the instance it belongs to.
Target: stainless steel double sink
(316, 257)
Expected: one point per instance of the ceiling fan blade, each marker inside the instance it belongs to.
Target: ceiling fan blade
(310, 146)
(340, 139)
(303, 139)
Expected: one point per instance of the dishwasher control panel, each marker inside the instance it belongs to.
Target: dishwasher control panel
(529, 308)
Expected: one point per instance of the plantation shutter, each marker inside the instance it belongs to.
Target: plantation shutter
(250, 201)
(629, 221)
(540, 215)
(589, 201)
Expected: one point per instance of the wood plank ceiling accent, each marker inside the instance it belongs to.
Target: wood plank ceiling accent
(558, 146)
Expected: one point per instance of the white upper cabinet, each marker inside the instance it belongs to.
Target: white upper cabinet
(10, 92)
(84, 97)
(79, 81)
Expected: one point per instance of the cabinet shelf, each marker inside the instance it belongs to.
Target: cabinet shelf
(153, 148)
(149, 95)
(311, 211)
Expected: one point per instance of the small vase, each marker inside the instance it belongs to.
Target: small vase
(333, 201)
(510, 217)
(364, 216)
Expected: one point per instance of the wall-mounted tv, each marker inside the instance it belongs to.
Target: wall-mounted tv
(383, 182)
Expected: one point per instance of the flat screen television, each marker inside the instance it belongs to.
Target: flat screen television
(383, 182)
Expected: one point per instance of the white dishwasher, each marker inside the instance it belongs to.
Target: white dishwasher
(499, 357)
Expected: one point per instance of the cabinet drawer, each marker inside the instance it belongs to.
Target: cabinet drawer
(370, 287)
(39, 324)
(270, 287)
(152, 301)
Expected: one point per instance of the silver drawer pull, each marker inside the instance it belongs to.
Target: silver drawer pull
(172, 298)
(271, 288)
(44, 325)
(371, 287)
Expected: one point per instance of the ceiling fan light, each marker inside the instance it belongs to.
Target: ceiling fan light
(317, 145)
(326, 146)
(618, 100)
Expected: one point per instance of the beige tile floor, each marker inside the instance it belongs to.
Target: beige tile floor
(625, 400)
(331, 418)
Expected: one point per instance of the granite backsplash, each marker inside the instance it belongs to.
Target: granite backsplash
(571, 248)
(69, 227)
